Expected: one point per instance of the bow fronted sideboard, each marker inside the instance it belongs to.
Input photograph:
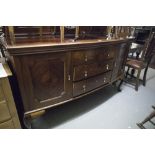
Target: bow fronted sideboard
(50, 74)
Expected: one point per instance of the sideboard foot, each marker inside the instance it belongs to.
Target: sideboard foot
(29, 117)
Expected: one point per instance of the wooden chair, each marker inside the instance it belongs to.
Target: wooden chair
(143, 62)
(148, 118)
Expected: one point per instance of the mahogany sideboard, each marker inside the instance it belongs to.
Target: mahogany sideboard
(50, 74)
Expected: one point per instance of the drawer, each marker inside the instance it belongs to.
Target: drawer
(78, 57)
(85, 71)
(4, 112)
(90, 84)
(92, 55)
(79, 72)
(98, 68)
(98, 81)
(99, 54)
(7, 125)
(79, 88)
(105, 55)
(85, 56)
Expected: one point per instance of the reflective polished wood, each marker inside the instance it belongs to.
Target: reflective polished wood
(50, 74)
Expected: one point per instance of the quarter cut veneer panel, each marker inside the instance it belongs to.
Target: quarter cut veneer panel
(47, 78)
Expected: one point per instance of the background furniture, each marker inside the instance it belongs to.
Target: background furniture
(148, 118)
(22, 34)
(8, 114)
(141, 35)
(144, 61)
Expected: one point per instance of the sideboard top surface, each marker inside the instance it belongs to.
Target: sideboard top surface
(36, 47)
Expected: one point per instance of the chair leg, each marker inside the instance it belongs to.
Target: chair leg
(148, 118)
(144, 77)
(132, 73)
(127, 73)
(119, 86)
(137, 80)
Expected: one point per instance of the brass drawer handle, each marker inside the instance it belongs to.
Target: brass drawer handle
(107, 66)
(84, 88)
(85, 74)
(69, 77)
(104, 80)
(86, 58)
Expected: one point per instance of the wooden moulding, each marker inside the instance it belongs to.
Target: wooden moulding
(49, 48)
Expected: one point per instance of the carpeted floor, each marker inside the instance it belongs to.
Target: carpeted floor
(105, 109)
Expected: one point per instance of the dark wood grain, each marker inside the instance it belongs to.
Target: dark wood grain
(53, 74)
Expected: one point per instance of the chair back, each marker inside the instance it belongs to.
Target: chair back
(149, 48)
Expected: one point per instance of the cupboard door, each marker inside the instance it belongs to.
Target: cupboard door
(46, 79)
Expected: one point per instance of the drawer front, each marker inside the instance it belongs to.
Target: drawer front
(7, 125)
(98, 81)
(79, 88)
(78, 57)
(4, 112)
(89, 70)
(98, 68)
(106, 54)
(79, 72)
(99, 54)
(92, 55)
(91, 83)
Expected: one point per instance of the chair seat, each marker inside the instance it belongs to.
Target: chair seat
(132, 58)
(136, 64)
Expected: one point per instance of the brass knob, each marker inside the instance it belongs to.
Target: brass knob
(69, 77)
(84, 87)
(107, 66)
(104, 80)
(85, 74)
(86, 58)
